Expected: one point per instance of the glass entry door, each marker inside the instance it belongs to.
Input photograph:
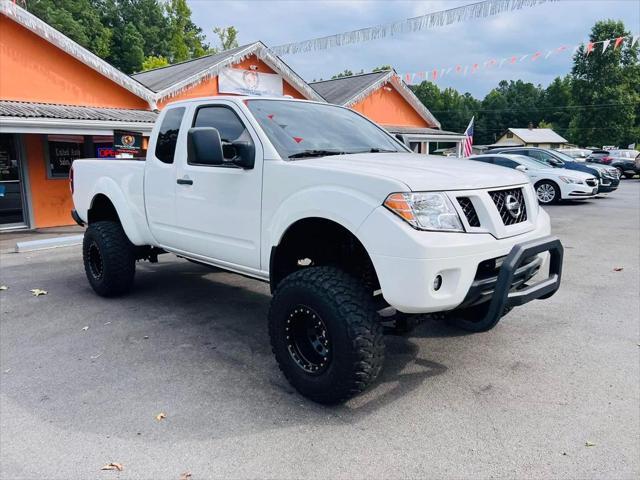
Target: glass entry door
(11, 191)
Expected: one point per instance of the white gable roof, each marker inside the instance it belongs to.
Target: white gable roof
(537, 135)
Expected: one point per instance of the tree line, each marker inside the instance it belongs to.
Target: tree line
(132, 35)
(597, 104)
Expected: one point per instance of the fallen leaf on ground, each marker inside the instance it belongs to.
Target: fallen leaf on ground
(161, 415)
(85, 328)
(618, 269)
(37, 292)
(7, 370)
(4, 287)
(108, 323)
(185, 476)
(113, 466)
(93, 357)
(589, 444)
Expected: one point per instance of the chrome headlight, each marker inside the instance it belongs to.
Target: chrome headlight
(572, 180)
(425, 211)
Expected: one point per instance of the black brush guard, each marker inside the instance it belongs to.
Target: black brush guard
(509, 288)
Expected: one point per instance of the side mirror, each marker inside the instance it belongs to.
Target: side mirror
(245, 154)
(204, 146)
(522, 168)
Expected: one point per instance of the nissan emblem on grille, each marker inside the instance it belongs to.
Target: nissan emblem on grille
(513, 205)
(510, 205)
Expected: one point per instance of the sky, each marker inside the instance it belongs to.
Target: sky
(540, 28)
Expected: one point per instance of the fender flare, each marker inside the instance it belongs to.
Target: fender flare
(110, 189)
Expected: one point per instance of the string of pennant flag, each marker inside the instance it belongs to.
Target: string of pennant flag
(590, 48)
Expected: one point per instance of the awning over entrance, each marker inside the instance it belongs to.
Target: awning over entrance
(31, 117)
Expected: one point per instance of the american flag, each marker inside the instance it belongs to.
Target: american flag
(468, 140)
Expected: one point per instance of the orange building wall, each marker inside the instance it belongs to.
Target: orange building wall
(50, 199)
(389, 108)
(34, 70)
(209, 87)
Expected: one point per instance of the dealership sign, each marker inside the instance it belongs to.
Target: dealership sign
(249, 82)
(127, 142)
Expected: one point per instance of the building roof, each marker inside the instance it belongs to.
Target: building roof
(164, 77)
(48, 33)
(172, 79)
(420, 131)
(348, 91)
(341, 90)
(15, 109)
(537, 135)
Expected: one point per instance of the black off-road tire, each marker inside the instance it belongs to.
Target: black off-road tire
(472, 319)
(551, 186)
(347, 324)
(109, 259)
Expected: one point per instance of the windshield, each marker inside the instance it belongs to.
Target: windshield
(301, 129)
(528, 162)
(563, 156)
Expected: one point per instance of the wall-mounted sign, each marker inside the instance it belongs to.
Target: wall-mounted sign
(127, 142)
(249, 82)
(61, 156)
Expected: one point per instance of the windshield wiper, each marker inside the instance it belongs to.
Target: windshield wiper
(315, 153)
(374, 150)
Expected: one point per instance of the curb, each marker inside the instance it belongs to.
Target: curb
(33, 245)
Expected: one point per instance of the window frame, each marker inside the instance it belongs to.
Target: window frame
(244, 124)
(87, 148)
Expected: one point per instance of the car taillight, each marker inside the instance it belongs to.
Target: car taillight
(607, 160)
(71, 179)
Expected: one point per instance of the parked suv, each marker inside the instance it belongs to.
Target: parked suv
(623, 160)
(551, 184)
(608, 179)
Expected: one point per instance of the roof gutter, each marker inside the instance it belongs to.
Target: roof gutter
(69, 127)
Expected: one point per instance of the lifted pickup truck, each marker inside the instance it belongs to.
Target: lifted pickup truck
(337, 215)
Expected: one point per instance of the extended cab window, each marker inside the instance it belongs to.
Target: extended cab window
(168, 135)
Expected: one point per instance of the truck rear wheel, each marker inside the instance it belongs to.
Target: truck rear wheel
(325, 334)
(109, 258)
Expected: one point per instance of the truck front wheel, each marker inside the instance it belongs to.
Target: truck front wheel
(325, 334)
(109, 258)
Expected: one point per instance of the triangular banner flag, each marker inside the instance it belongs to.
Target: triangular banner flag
(589, 48)
(619, 41)
(635, 39)
(605, 45)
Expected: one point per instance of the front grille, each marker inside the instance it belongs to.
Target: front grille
(469, 211)
(592, 182)
(513, 197)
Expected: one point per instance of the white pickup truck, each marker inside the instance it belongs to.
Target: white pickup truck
(338, 216)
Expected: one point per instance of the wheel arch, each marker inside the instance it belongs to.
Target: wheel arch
(320, 241)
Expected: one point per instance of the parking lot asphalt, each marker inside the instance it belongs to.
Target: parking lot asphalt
(552, 392)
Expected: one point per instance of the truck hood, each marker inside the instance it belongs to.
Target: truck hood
(422, 172)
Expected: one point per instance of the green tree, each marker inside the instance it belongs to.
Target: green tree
(152, 62)
(186, 40)
(605, 90)
(346, 73)
(228, 37)
(555, 104)
(77, 19)
(382, 68)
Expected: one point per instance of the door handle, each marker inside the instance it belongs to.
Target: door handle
(184, 181)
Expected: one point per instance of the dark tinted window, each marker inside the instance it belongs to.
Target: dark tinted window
(505, 162)
(168, 135)
(224, 120)
(485, 159)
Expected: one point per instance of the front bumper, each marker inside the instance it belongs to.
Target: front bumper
(572, 190)
(408, 261)
(509, 288)
(608, 185)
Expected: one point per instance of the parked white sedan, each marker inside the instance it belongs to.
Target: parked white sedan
(551, 184)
